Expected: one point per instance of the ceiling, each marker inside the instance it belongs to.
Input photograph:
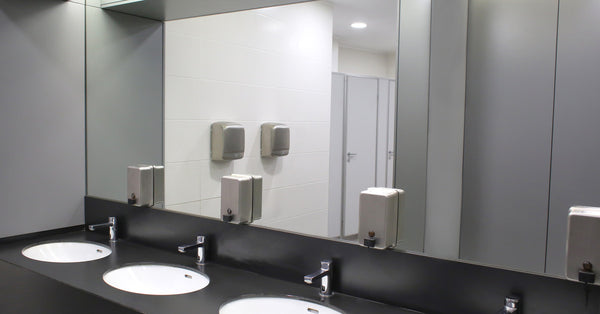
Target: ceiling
(166, 10)
(381, 16)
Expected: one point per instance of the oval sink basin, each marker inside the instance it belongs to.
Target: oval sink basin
(66, 252)
(275, 305)
(156, 279)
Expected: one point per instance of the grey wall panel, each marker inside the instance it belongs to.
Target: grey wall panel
(411, 121)
(575, 162)
(336, 155)
(508, 128)
(446, 127)
(42, 144)
(124, 98)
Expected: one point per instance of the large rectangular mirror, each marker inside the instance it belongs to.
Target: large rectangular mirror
(275, 65)
(478, 119)
(302, 65)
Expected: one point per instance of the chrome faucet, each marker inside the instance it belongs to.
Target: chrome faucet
(201, 259)
(511, 305)
(325, 275)
(112, 228)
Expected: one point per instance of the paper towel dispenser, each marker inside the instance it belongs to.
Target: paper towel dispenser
(583, 244)
(241, 198)
(380, 209)
(274, 139)
(227, 140)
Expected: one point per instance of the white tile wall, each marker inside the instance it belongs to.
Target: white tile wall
(250, 67)
(369, 63)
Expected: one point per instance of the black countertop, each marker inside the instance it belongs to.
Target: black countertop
(226, 283)
(23, 291)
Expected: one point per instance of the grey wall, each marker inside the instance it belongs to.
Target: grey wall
(508, 128)
(42, 144)
(576, 149)
(336, 153)
(411, 124)
(124, 98)
(446, 126)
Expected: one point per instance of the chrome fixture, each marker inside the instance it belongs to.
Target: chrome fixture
(325, 275)
(511, 305)
(350, 156)
(200, 244)
(112, 228)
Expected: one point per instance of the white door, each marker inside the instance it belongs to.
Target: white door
(361, 144)
(391, 133)
(382, 132)
(336, 154)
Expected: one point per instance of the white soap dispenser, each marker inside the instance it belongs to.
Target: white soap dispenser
(583, 244)
(380, 209)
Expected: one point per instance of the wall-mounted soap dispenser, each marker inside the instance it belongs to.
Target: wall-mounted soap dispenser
(158, 181)
(145, 185)
(379, 212)
(583, 244)
(241, 198)
(226, 141)
(274, 139)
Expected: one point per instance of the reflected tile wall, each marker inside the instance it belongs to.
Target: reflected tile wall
(251, 67)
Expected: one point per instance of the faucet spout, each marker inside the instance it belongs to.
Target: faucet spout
(325, 275)
(200, 244)
(309, 279)
(111, 225)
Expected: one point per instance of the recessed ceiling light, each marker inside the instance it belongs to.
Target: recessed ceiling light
(358, 25)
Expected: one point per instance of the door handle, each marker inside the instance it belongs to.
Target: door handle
(390, 154)
(350, 155)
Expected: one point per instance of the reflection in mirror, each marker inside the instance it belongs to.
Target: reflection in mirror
(484, 132)
(525, 101)
(275, 65)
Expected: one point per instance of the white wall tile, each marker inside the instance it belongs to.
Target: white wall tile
(211, 179)
(183, 182)
(181, 56)
(314, 223)
(187, 140)
(211, 207)
(360, 62)
(192, 208)
(251, 67)
(292, 201)
(309, 137)
(181, 96)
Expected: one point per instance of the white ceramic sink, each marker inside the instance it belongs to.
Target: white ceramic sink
(66, 252)
(156, 279)
(275, 305)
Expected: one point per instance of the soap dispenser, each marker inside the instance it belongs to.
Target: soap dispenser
(146, 186)
(241, 198)
(583, 249)
(380, 209)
